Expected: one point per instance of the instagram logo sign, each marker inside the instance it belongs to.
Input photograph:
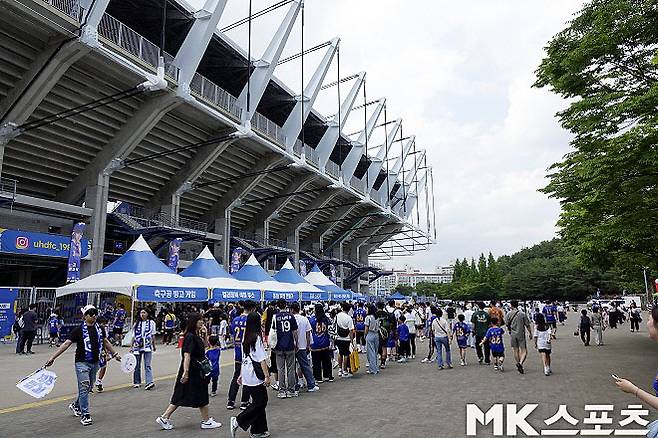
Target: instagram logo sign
(22, 242)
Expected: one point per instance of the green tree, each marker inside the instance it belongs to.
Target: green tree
(604, 62)
(482, 269)
(404, 289)
(493, 273)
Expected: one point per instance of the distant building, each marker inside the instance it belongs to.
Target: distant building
(411, 277)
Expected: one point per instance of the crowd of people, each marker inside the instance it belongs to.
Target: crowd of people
(294, 348)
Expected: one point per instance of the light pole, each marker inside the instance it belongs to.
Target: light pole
(646, 284)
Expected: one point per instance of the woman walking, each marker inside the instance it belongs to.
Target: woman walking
(191, 387)
(635, 316)
(372, 339)
(543, 337)
(442, 336)
(143, 348)
(254, 374)
(320, 346)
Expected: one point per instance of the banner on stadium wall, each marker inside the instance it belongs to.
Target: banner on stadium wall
(75, 252)
(302, 268)
(235, 295)
(7, 310)
(235, 260)
(315, 296)
(341, 296)
(171, 294)
(274, 296)
(332, 273)
(39, 244)
(174, 251)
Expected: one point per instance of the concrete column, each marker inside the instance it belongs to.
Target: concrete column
(96, 197)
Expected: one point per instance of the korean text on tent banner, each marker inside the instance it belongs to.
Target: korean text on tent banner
(274, 296)
(315, 296)
(171, 294)
(7, 310)
(235, 295)
(75, 251)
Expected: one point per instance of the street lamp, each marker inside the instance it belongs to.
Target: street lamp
(646, 284)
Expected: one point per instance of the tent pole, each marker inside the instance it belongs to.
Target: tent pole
(133, 296)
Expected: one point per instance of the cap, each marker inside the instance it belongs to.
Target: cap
(87, 308)
(216, 305)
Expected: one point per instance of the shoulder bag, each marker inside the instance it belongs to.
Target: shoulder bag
(272, 338)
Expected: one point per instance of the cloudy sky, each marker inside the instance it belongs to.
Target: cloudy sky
(459, 75)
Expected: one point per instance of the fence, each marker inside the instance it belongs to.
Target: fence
(69, 7)
(358, 184)
(268, 128)
(214, 94)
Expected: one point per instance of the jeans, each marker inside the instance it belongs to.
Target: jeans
(487, 349)
(322, 364)
(372, 345)
(86, 374)
(442, 341)
(285, 363)
(234, 387)
(254, 416)
(302, 360)
(137, 374)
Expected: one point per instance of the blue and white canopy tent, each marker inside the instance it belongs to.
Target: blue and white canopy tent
(289, 276)
(321, 281)
(223, 287)
(397, 296)
(254, 276)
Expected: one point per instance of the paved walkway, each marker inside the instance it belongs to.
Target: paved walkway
(406, 400)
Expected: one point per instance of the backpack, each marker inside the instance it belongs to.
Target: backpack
(386, 324)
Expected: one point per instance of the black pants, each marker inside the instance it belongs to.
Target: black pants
(322, 364)
(584, 336)
(487, 349)
(168, 336)
(254, 416)
(405, 349)
(430, 353)
(234, 387)
(273, 368)
(360, 338)
(412, 340)
(635, 324)
(27, 337)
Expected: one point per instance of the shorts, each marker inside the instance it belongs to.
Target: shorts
(343, 347)
(461, 344)
(546, 351)
(518, 342)
(420, 326)
(117, 330)
(498, 353)
(551, 324)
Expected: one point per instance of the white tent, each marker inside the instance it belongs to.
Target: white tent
(293, 280)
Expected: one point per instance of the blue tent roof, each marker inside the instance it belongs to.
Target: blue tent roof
(252, 271)
(396, 296)
(139, 259)
(287, 274)
(205, 266)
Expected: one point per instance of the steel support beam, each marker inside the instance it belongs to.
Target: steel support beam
(410, 176)
(300, 219)
(393, 173)
(408, 204)
(293, 125)
(318, 234)
(359, 146)
(328, 141)
(377, 162)
(264, 68)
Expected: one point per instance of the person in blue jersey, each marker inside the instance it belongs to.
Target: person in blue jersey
(286, 345)
(404, 346)
(645, 396)
(494, 337)
(320, 346)
(359, 316)
(54, 326)
(237, 330)
(213, 354)
(460, 331)
(118, 323)
(550, 315)
(90, 344)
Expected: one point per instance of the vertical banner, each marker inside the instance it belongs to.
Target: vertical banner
(174, 250)
(235, 260)
(302, 268)
(75, 250)
(7, 310)
(332, 273)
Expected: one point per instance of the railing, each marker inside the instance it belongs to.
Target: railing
(259, 238)
(214, 94)
(297, 148)
(332, 169)
(138, 215)
(358, 184)
(69, 7)
(312, 156)
(268, 128)
(8, 188)
(135, 44)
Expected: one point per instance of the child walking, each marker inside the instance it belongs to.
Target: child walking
(543, 336)
(404, 349)
(461, 330)
(54, 325)
(494, 336)
(213, 353)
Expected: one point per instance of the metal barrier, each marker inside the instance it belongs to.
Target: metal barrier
(312, 156)
(268, 128)
(214, 94)
(332, 169)
(69, 7)
(297, 148)
(138, 217)
(358, 184)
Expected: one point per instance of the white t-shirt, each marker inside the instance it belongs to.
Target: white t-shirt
(345, 321)
(303, 327)
(410, 321)
(255, 357)
(467, 316)
(543, 339)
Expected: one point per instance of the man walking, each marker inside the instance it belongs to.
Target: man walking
(28, 331)
(304, 347)
(480, 321)
(286, 334)
(344, 336)
(237, 329)
(517, 321)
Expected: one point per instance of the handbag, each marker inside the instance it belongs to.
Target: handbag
(258, 370)
(206, 367)
(272, 338)
(354, 361)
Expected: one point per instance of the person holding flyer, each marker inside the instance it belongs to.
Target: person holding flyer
(90, 343)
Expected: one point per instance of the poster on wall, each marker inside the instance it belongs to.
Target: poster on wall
(235, 260)
(302, 268)
(75, 253)
(174, 251)
(7, 310)
(332, 273)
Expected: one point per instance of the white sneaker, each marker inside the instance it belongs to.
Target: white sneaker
(314, 389)
(275, 386)
(164, 423)
(234, 426)
(426, 360)
(210, 424)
